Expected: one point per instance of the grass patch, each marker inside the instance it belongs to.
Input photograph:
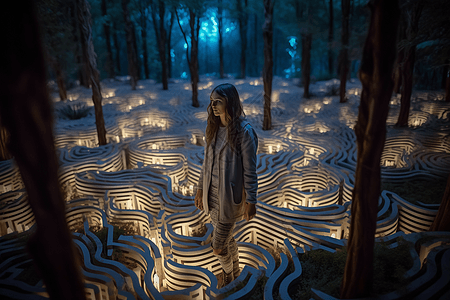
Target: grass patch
(323, 270)
(428, 192)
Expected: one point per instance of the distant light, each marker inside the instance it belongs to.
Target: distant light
(293, 41)
(185, 46)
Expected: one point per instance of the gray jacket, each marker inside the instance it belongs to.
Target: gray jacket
(238, 181)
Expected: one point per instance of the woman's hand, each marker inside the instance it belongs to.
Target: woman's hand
(199, 199)
(250, 211)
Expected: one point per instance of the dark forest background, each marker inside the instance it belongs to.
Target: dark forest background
(154, 27)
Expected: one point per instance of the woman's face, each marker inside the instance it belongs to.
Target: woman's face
(218, 105)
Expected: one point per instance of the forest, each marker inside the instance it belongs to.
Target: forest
(312, 40)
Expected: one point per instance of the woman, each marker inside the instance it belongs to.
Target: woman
(228, 182)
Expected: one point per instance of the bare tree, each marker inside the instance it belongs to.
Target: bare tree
(194, 25)
(220, 29)
(343, 57)
(26, 114)
(268, 62)
(143, 22)
(376, 78)
(131, 51)
(116, 47)
(169, 42)
(242, 19)
(161, 40)
(412, 16)
(107, 31)
(330, 39)
(84, 17)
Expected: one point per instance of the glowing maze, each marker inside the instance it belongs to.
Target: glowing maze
(144, 181)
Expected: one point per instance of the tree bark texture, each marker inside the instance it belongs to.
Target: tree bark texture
(268, 62)
(447, 86)
(60, 78)
(131, 53)
(194, 24)
(243, 36)
(84, 16)
(107, 31)
(26, 114)
(255, 48)
(4, 141)
(169, 44)
(117, 48)
(220, 29)
(306, 62)
(136, 53)
(442, 221)
(83, 73)
(192, 59)
(400, 56)
(398, 73)
(412, 15)
(343, 57)
(407, 70)
(376, 78)
(162, 45)
(143, 21)
(160, 33)
(330, 39)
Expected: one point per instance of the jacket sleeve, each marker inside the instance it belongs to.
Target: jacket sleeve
(249, 145)
(200, 179)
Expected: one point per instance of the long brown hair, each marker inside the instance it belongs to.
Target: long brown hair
(233, 111)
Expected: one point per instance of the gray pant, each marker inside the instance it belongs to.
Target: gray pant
(222, 238)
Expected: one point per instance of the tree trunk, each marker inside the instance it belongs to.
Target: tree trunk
(407, 68)
(60, 78)
(106, 29)
(144, 40)
(343, 57)
(255, 48)
(84, 16)
(330, 40)
(220, 29)
(162, 45)
(376, 78)
(136, 53)
(193, 59)
(117, 47)
(4, 142)
(446, 81)
(132, 59)
(268, 62)
(160, 33)
(442, 221)
(194, 56)
(398, 73)
(447, 89)
(83, 73)
(26, 114)
(306, 62)
(243, 36)
(169, 43)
